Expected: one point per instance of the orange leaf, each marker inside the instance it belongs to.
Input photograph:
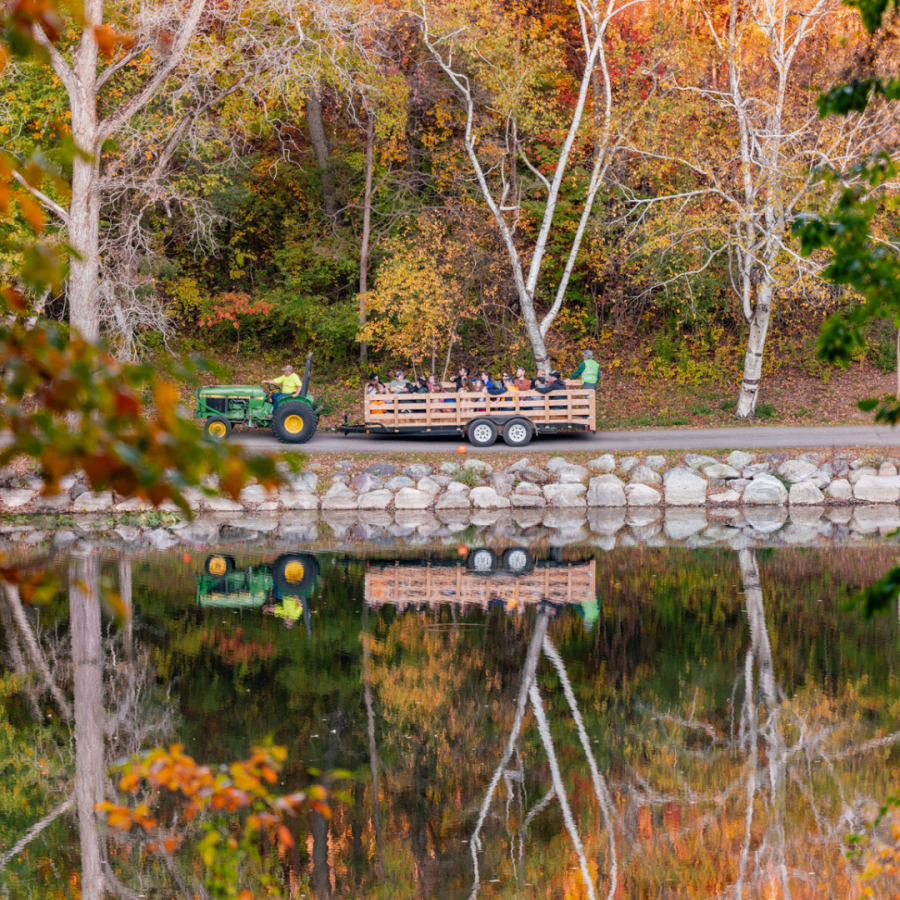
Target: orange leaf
(32, 212)
(285, 837)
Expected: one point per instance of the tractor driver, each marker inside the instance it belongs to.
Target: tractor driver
(289, 383)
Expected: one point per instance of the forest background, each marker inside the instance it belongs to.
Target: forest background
(388, 183)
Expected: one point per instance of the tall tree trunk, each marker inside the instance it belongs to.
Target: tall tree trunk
(366, 232)
(84, 614)
(125, 594)
(84, 206)
(322, 148)
(753, 357)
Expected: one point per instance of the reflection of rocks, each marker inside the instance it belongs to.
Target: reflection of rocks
(765, 519)
(680, 524)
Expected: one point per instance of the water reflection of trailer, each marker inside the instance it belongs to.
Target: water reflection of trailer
(481, 580)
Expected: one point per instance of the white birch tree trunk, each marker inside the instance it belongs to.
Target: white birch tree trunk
(753, 355)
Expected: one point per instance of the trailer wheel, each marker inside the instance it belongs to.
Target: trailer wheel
(482, 433)
(517, 432)
(217, 428)
(517, 561)
(294, 422)
(482, 559)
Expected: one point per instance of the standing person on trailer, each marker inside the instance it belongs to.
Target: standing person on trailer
(462, 380)
(588, 371)
(289, 383)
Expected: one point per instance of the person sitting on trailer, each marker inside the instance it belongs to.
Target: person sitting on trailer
(462, 380)
(289, 383)
(477, 387)
(547, 386)
(435, 387)
(373, 389)
(522, 383)
(400, 383)
(509, 387)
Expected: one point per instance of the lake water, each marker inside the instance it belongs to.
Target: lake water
(519, 721)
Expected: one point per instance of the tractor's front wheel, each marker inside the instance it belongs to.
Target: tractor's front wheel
(217, 428)
(294, 422)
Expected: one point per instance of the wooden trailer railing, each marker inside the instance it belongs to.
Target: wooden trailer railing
(401, 585)
(573, 406)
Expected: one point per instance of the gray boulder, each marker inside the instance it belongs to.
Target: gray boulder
(551, 490)
(699, 461)
(517, 466)
(720, 471)
(417, 471)
(606, 490)
(861, 472)
(534, 475)
(399, 482)
(380, 499)
(765, 490)
(382, 469)
(13, 498)
(656, 463)
(457, 487)
(487, 498)
(739, 459)
(571, 474)
(556, 463)
(479, 466)
(365, 482)
(840, 490)
(91, 502)
(760, 468)
(568, 499)
(805, 493)
(411, 498)
(453, 500)
(221, 504)
(628, 463)
(429, 486)
(254, 493)
(797, 470)
(526, 489)
(684, 488)
(872, 489)
(605, 463)
(527, 501)
(299, 500)
(502, 483)
(645, 475)
(724, 498)
(642, 495)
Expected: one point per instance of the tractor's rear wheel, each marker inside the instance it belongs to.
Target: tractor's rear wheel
(217, 428)
(294, 422)
(295, 574)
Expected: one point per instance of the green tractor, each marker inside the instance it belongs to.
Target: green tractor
(226, 405)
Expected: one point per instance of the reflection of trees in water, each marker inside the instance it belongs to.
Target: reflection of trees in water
(100, 687)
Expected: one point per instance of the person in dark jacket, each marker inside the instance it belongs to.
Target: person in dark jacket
(547, 386)
(462, 380)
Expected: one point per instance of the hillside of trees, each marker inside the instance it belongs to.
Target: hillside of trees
(497, 182)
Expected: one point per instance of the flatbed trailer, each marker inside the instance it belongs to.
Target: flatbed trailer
(479, 416)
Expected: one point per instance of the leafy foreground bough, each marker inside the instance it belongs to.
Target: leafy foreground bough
(232, 805)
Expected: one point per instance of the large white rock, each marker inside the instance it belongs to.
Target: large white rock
(571, 474)
(529, 490)
(457, 487)
(398, 482)
(765, 490)
(606, 490)
(642, 495)
(861, 473)
(417, 471)
(645, 475)
(302, 481)
(487, 498)
(52, 504)
(656, 463)
(684, 488)
(724, 498)
(605, 463)
(364, 482)
(873, 489)
(91, 502)
(502, 483)
(556, 463)
(427, 485)
(739, 459)
(567, 500)
(840, 490)
(517, 466)
(628, 463)
(134, 504)
(299, 500)
(412, 498)
(721, 470)
(551, 490)
(699, 461)
(805, 493)
(453, 500)
(13, 498)
(797, 470)
(375, 499)
(527, 501)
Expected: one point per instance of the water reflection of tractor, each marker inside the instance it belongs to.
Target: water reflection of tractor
(279, 588)
(511, 580)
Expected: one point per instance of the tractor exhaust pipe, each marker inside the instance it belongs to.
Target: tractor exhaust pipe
(305, 386)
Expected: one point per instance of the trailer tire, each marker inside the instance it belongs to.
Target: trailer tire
(517, 561)
(483, 560)
(518, 432)
(482, 433)
(217, 428)
(295, 574)
(294, 422)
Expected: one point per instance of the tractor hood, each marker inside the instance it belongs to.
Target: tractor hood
(233, 390)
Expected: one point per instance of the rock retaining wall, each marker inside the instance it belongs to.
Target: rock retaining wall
(740, 480)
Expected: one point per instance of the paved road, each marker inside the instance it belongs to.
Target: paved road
(743, 438)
